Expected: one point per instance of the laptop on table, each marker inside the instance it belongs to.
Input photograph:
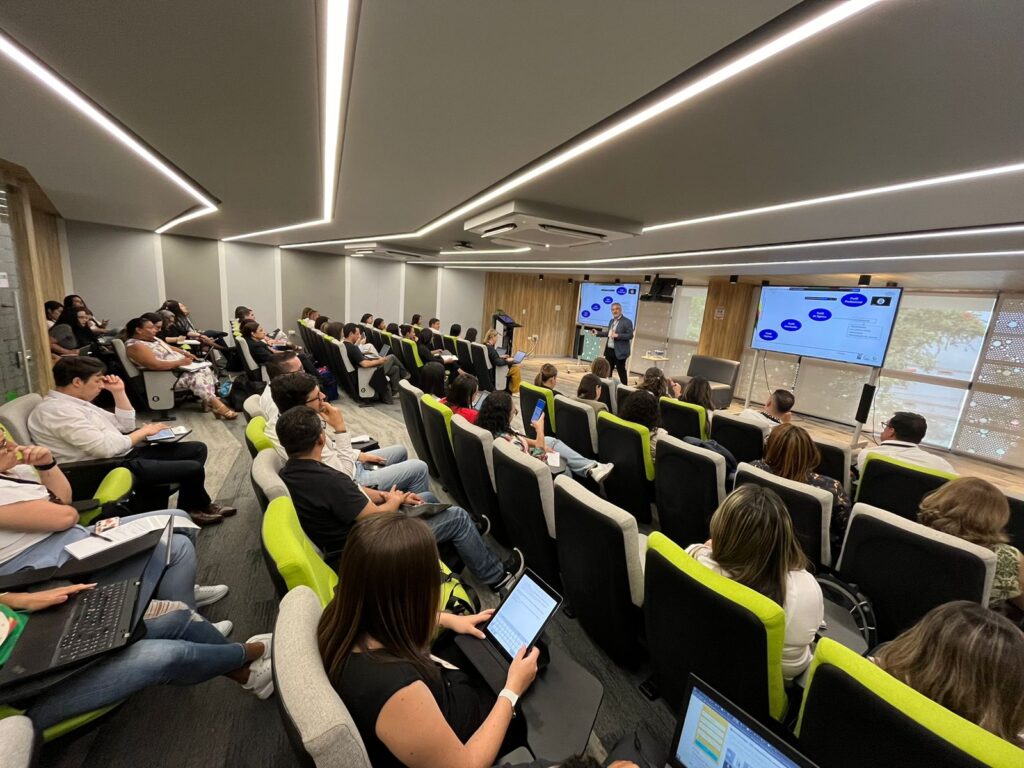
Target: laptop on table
(715, 733)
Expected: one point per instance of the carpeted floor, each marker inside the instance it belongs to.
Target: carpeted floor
(217, 724)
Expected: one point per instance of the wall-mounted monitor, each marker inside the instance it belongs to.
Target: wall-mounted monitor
(848, 325)
(596, 301)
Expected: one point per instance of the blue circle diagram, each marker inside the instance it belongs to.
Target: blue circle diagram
(854, 299)
(819, 314)
(768, 334)
(585, 313)
(621, 290)
(608, 300)
(596, 307)
(791, 325)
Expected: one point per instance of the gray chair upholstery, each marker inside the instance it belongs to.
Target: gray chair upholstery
(622, 391)
(317, 721)
(17, 741)
(252, 409)
(266, 479)
(158, 386)
(360, 377)
(721, 374)
(14, 415)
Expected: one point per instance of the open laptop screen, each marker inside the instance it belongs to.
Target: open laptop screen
(716, 734)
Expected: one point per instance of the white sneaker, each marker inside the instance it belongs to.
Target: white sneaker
(224, 627)
(261, 671)
(209, 595)
(267, 639)
(599, 472)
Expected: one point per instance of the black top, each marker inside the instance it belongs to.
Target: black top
(327, 501)
(355, 354)
(496, 359)
(425, 354)
(368, 681)
(260, 352)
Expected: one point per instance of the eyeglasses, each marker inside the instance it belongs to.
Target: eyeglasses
(318, 399)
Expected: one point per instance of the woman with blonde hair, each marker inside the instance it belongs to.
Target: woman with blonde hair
(977, 511)
(968, 659)
(499, 360)
(752, 542)
(790, 453)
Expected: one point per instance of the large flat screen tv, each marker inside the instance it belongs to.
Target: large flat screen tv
(596, 301)
(848, 325)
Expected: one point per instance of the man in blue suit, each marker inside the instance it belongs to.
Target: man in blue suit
(620, 336)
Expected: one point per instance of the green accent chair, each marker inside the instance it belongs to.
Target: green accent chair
(437, 431)
(897, 486)
(702, 623)
(255, 439)
(529, 396)
(683, 419)
(630, 486)
(65, 726)
(292, 559)
(854, 714)
(114, 490)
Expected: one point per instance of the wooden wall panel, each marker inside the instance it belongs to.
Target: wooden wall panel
(726, 315)
(533, 303)
(51, 274)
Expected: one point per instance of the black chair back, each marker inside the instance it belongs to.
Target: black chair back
(680, 420)
(332, 357)
(1015, 528)
(628, 486)
(577, 424)
(897, 488)
(474, 449)
(449, 344)
(435, 429)
(607, 397)
(482, 366)
(465, 355)
(689, 484)
(743, 440)
(528, 399)
(409, 399)
(835, 463)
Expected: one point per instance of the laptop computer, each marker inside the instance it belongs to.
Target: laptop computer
(385, 350)
(518, 358)
(90, 623)
(715, 733)
(519, 621)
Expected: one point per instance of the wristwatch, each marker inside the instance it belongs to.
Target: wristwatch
(513, 698)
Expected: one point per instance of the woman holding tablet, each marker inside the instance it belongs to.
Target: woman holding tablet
(374, 637)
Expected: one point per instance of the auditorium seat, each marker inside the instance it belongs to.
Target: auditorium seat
(720, 373)
(411, 358)
(14, 415)
(292, 559)
(702, 623)
(600, 555)
(319, 726)
(484, 371)
(473, 449)
(578, 424)
(450, 345)
(835, 461)
(465, 355)
(906, 569)
(255, 437)
(745, 441)
(897, 486)
(628, 445)
(1015, 528)
(154, 388)
(359, 378)
(608, 389)
(683, 419)
(810, 509)
(18, 741)
(689, 484)
(266, 479)
(251, 407)
(255, 371)
(437, 430)
(529, 396)
(409, 400)
(622, 391)
(526, 506)
(855, 714)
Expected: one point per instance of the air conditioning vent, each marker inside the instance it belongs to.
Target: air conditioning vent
(520, 223)
(386, 251)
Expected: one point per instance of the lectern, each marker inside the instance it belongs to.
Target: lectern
(504, 325)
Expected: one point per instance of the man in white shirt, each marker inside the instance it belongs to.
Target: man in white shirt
(777, 410)
(901, 435)
(280, 364)
(74, 429)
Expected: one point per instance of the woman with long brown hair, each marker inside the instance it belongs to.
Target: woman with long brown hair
(698, 392)
(968, 659)
(790, 453)
(752, 542)
(374, 637)
(977, 511)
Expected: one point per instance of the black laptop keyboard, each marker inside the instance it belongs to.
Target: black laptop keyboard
(94, 627)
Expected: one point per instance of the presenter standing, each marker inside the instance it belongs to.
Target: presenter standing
(619, 335)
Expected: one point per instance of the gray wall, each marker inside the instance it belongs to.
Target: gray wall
(376, 287)
(310, 279)
(114, 270)
(192, 275)
(462, 299)
(251, 279)
(420, 292)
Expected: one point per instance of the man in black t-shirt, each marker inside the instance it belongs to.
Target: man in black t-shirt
(389, 370)
(329, 503)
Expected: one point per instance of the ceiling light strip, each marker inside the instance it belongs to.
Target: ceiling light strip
(31, 64)
(475, 252)
(830, 18)
(335, 55)
(188, 216)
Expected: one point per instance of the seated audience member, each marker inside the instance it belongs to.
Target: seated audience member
(77, 319)
(471, 334)
(641, 407)
(462, 393)
(382, 468)
(415, 321)
(53, 310)
(436, 340)
(367, 318)
(752, 542)
(183, 325)
(243, 313)
(309, 316)
(62, 341)
(428, 350)
(496, 416)
(547, 377)
(698, 392)
(374, 637)
(158, 324)
(152, 354)
(262, 351)
(432, 379)
(790, 453)
(320, 322)
(74, 301)
(379, 324)
(498, 360)
(977, 511)
(389, 371)
(968, 659)
(329, 503)
(601, 368)
(589, 392)
(455, 330)
(900, 437)
(74, 429)
(657, 384)
(777, 410)
(394, 329)
(286, 362)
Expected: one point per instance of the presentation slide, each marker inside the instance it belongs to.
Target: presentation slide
(521, 616)
(596, 301)
(848, 325)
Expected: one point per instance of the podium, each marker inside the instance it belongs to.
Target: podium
(504, 324)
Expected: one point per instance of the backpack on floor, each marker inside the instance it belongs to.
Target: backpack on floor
(241, 389)
(456, 597)
(328, 384)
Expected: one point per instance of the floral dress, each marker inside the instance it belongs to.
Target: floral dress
(1006, 584)
(201, 383)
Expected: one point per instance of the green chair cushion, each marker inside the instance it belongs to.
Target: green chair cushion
(254, 430)
(294, 555)
(444, 410)
(65, 726)
(702, 414)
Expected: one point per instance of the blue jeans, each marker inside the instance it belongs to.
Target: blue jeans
(180, 648)
(407, 474)
(178, 582)
(456, 526)
(579, 465)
